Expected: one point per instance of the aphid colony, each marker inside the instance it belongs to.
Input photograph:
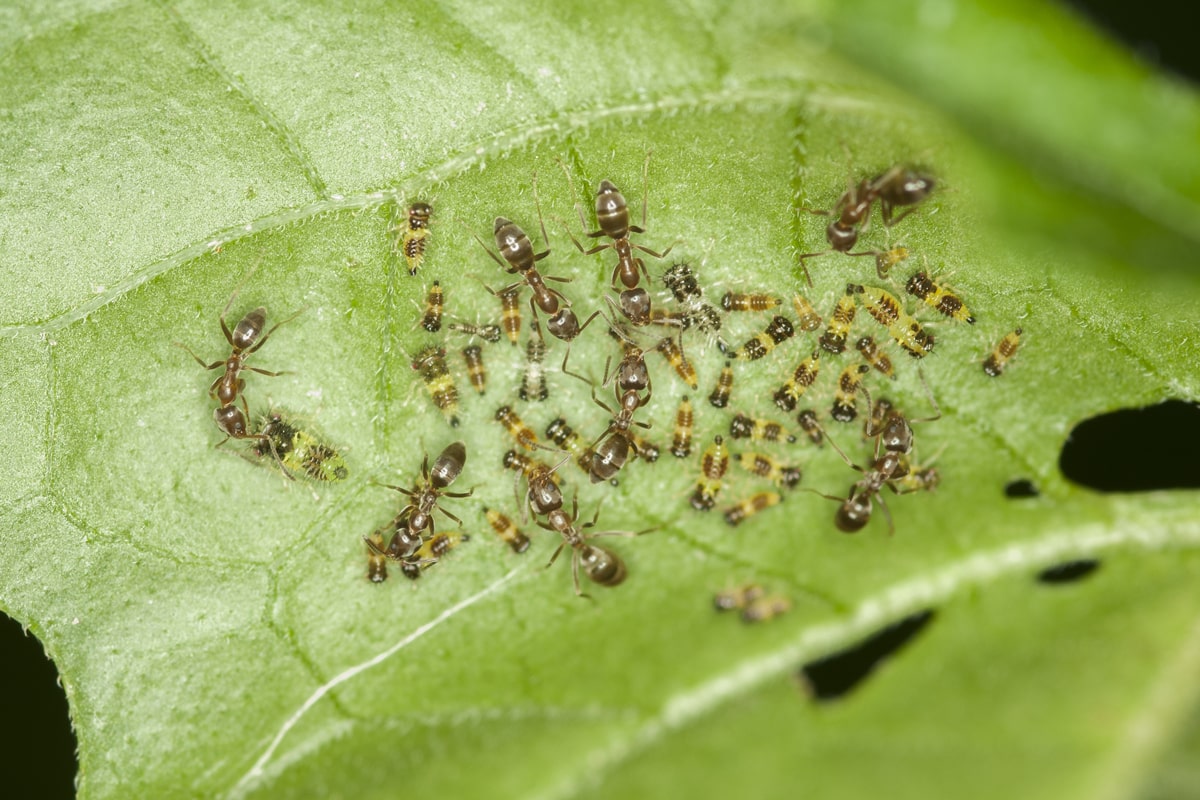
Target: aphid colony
(652, 310)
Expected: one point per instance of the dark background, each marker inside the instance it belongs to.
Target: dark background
(37, 747)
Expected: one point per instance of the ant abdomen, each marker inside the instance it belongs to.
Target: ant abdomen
(602, 566)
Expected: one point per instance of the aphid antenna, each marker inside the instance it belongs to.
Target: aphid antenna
(937, 411)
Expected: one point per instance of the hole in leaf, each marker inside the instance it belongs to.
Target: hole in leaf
(1068, 571)
(37, 754)
(1136, 449)
(836, 675)
(1141, 28)
(1020, 489)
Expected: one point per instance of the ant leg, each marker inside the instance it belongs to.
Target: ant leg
(400, 489)
(928, 393)
(213, 365)
(578, 207)
(887, 513)
(845, 457)
(507, 267)
(553, 557)
(448, 514)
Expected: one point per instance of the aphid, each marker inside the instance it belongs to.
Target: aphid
(794, 387)
(244, 340)
(489, 333)
(433, 550)
(424, 497)
(527, 466)
(778, 330)
(737, 598)
(713, 464)
(523, 434)
(807, 419)
(720, 395)
(510, 312)
(880, 411)
(995, 363)
(759, 430)
(763, 609)
(376, 562)
(476, 372)
(834, 337)
(533, 386)
(681, 446)
(736, 515)
(299, 451)
(670, 318)
(682, 283)
(435, 302)
(844, 395)
(431, 362)
(936, 296)
(647, 451)
(612, 214)
(771, 468)
(565, 437)
(902, 327)
(875, 357)
(886, 259)
(809, 319)
(919, 479)
(507, 530)
(674, 354)
(736, 301)
(409, 229)
(600, 565)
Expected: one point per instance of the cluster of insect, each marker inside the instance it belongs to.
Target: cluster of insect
(641, 323)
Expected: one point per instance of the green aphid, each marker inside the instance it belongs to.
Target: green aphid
(299, 451)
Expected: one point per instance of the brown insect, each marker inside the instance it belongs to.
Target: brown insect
(476, 372)
(409, 228)
(435, 303)
(612, 215)
(507, 530)
(778, 330)
(737, 514)
(431, 363)
(720, 395)
(601, 565)
(682, 444)
(244, 340)
(424, 500)
(787, 395)
(998, 359)
(713, 464)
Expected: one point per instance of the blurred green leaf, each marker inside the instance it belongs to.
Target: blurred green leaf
(212, 623)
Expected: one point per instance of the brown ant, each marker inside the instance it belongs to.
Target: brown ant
(611, 450)
(895, 438)
(612, 214)
(244, 340)
(899, 186)
(517, 250)
(600, 565)
(423, 499)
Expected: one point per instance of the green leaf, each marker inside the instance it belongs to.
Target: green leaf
(211, 621)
